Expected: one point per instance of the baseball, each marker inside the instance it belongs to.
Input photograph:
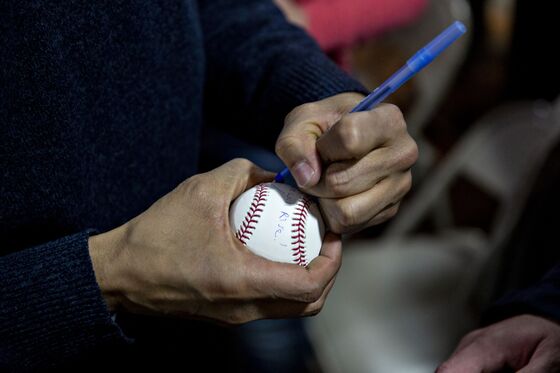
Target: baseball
(278, 222)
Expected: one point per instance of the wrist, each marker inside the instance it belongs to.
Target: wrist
(104, 250)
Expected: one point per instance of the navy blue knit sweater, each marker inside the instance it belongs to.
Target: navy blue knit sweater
(101, 105)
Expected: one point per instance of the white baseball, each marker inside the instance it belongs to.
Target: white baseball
(278, 222)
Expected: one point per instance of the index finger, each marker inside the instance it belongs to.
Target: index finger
(357, 134)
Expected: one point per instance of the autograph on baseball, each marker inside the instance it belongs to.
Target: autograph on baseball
(278, 222)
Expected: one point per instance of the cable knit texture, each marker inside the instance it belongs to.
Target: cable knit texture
(101, 105)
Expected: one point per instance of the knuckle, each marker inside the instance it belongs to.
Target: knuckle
(337, 181)
(349, 135)
(198, 192)
(334, 225)
(241, 164)
(391, 212)
(311, 292)
(410, 154)
(408, 181)
(285, 144)
(337, 228)
(395, 116)
(330, 209)
(196, 186)
(346, 216)
(316, 309)
(338, 219)
(385, 215)
(405, 185)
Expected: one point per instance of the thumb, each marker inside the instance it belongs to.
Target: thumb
(296, 147)
(236, 176)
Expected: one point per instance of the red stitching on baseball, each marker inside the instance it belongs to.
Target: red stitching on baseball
(246, 229)
(298, 231)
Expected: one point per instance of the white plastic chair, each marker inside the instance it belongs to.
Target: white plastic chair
(401, 303)
(499, 155)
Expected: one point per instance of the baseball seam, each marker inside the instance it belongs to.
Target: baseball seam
(298, 232)
(246, 229)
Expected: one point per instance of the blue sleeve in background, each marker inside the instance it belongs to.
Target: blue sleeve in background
(531, 251)
(542, 299)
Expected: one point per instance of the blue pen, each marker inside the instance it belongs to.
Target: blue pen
(420, 60)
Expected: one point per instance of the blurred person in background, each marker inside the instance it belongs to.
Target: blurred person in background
(522, 329)
(337, 24)
(351, 33)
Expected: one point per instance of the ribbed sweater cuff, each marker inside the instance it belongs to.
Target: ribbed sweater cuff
(52, 308)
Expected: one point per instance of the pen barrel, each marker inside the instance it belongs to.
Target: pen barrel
(420, 60)
(427, 54)
(384, 90)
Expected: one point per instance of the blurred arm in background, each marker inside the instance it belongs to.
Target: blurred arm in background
(523, 328)
(526, 340)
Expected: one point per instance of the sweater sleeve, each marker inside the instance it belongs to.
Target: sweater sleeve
(259, 67)
(340, 23)
(51, 306)
(542, 299)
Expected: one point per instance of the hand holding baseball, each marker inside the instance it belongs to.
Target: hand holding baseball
(358, 164)
(180, 258)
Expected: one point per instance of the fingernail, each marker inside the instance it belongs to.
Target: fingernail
(303, 173)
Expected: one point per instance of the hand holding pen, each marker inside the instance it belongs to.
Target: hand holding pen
(356, 160)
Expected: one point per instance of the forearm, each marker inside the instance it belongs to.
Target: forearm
(52, 308)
